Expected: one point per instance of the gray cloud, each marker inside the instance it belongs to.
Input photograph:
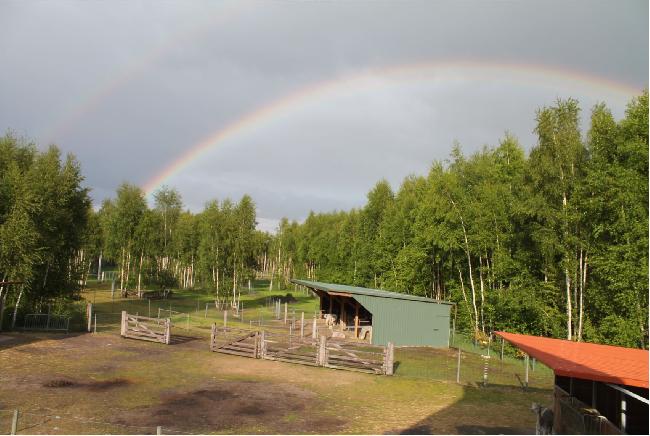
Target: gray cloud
(128, 87)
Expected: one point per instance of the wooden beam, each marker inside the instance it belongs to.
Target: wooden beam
(340, 294)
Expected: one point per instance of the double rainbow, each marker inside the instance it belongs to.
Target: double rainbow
(407, 72)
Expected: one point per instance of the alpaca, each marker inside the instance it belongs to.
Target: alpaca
(544, 423)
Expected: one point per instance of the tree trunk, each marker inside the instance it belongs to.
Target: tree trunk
(20, 295)
(140, 273)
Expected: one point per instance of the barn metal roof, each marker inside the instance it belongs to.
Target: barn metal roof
(332, 287)
(605, 363)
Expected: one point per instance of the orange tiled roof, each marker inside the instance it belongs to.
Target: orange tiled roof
(605, 363)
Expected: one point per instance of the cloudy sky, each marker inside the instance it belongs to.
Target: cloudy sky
(303, 105)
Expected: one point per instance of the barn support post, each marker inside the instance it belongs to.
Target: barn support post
(623, 411)
(458, 367)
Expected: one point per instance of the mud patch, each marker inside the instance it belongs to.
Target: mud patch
(231, 405)
(59, 383)
(96, 386)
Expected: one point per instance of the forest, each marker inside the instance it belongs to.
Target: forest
(553, 241)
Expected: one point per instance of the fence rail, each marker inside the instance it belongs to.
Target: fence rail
(46, 322)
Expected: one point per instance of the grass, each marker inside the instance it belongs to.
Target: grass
(107, 384)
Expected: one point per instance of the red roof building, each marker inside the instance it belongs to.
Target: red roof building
(598, 388)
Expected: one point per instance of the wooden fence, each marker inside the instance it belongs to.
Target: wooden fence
(280, 346)
(145, 328)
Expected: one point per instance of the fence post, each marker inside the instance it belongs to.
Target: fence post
(14, 422)
(458, 367)
(502, 342)
(389, 358)
(206, 310)
(323, 351)
(526, 361)
(213, 334)
(225, 318)
(89, 312)
(313, 329)
(95, 323)
(302, 325)
(486, 359)
(158, 430)
(123, 327)
(168, 328)
(256, 345)
(263, 345)
(285, 312)
(48, 318)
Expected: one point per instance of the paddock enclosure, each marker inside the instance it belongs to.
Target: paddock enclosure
(285, 347)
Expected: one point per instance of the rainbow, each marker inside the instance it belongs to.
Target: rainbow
(412, 71)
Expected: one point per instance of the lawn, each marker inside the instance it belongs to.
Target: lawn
(101, 383)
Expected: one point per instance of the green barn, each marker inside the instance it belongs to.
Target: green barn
(381, 316)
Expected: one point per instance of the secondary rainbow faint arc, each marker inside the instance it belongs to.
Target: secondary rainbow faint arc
(310, 92)
(136, 68)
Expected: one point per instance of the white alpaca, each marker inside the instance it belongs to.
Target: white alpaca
(544, 423)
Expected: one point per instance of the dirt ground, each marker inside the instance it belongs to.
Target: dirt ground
(101, 383)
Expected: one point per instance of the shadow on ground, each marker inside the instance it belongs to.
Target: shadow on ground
(476, 413)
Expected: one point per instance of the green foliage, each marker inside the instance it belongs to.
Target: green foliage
(554, 244)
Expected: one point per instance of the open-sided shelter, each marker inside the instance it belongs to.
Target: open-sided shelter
(599, 389)
(390, 316)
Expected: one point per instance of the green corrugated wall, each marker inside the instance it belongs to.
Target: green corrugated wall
(405, 322)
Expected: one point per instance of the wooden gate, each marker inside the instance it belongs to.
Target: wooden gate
(145, 328)
(288, 348)
(236, 341)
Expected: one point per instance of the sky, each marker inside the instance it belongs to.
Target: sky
(302, 105)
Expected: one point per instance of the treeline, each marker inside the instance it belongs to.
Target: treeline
(44, 215)
(52, 241)
(166, 246)
(554, 243)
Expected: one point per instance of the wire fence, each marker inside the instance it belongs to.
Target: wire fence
(48, 421)
(472, 364)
